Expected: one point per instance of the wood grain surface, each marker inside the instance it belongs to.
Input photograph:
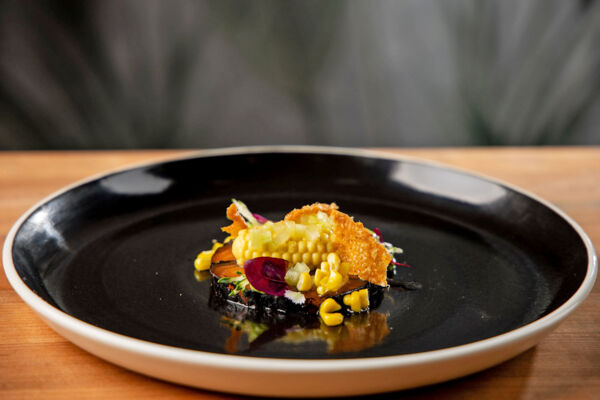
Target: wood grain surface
(36, 363)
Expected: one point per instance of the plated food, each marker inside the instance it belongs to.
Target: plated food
(110, 270)
(317, 259)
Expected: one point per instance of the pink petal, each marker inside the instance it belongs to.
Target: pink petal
(267, 274)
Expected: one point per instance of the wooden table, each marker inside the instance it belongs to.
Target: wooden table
(37, 363)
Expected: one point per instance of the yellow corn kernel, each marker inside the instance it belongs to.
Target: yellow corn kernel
(310, 246)
(348, 299)
(316, 257)
(364, 298)
(357, 300)
(335, 281)
(352, 300)
(320, 247)
(344, 268)
(334, 260)
(302, 246)
(330, 277)
(292, 246)
(306, 258)
(328, 313)
(202, 261)
(332, 319)
(319, 275)
(304, 282)
(321, 290)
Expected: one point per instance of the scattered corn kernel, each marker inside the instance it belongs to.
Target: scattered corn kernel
(334, 260)
(364, 298)
(357, 300)
(304, 282)
(202, 261)
(331, 275)
(328, 314)
(319, 275)
(292, 275)
(321, 290)
(335, 281)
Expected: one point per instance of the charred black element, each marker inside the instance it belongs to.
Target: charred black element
(280, 307)
(220, 301)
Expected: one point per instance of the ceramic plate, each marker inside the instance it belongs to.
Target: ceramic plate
(108, 263)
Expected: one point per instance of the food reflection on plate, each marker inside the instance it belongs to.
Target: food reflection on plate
(358, 332)
(201, 276)
(249, 332)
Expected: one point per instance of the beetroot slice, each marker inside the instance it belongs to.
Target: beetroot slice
(377, 231)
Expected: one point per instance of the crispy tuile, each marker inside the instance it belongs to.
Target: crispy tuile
(238, 222)
(367, 257)
(314, 208)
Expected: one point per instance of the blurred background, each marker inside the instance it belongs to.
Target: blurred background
(179, 74)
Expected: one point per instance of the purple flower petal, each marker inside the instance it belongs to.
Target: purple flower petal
(260, 218)
(378, 233)
(267, 274)
(400, 264)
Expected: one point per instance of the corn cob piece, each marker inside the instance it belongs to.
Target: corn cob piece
(309, 244)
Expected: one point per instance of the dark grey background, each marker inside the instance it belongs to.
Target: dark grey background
(163, 74)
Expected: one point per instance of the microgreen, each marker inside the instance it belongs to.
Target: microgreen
(239, 283)
(243, 210)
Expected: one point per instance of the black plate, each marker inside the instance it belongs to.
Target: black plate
(118, 251)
